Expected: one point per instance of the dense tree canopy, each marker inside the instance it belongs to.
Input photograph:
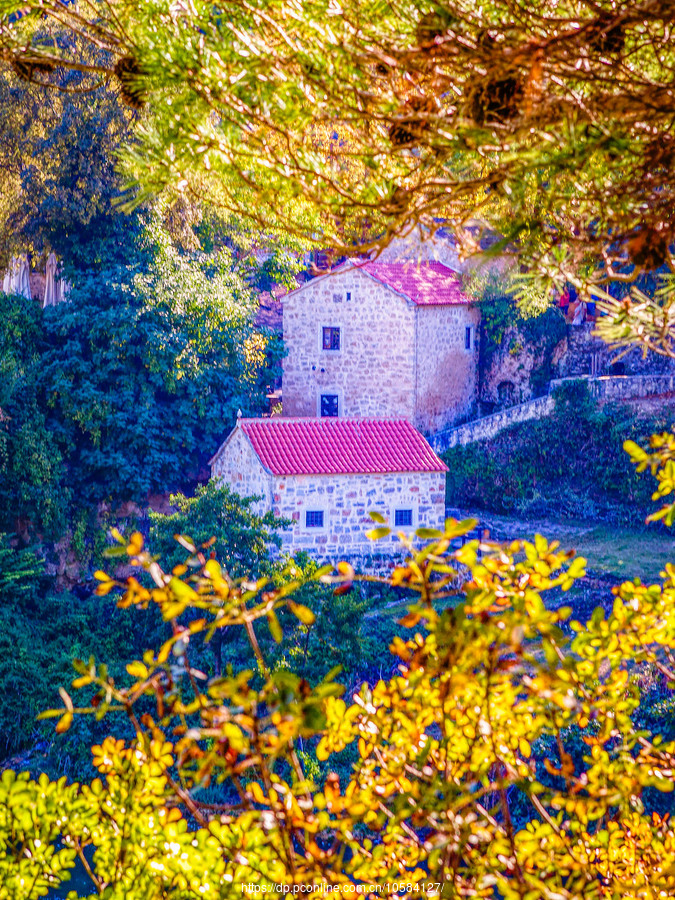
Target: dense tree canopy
(347, 123)
(57, 167)
(510, 754)
(149, 360)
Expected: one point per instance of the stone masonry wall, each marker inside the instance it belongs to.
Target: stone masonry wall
(237, 465)
(605, 389)
(581, 353)
(489, 426)
(346, 501)
(447, 373)
(373, 371)
(578, 354)
(615, 388)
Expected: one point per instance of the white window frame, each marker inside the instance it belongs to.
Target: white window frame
(335, 393)
(314, 506)
(331, 324)
(405, 503)
(470, 329)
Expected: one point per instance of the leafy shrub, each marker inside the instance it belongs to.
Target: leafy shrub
(569, 464)
(148, 361)
(241, 538)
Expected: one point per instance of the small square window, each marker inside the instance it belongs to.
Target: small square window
(468, 337)
(314, 518)
(331, 338)
(403, 518)
(329, 405)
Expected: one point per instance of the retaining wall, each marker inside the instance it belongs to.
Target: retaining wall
(605, 388)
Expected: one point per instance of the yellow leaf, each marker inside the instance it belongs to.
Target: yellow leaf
(256, 792)
(303, 613)
(345, 569)
(213, 569)
(104, 589)
(64, 722)
(137, 670)
(135, 544)
(322, 751)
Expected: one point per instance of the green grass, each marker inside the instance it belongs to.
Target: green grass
(627, 553)
(621, 551)
(397, 610)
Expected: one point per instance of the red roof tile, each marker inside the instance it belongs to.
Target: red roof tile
(426, 283)
(339, 446)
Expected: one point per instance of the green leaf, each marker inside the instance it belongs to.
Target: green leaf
(375, 534)
(275, 627)
(430, 534)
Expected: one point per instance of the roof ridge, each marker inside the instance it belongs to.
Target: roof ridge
(315, 446)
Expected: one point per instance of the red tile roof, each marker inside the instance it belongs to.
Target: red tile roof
(339, 446)
(426, 283)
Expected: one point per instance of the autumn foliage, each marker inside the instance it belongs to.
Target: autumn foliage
(502, 759)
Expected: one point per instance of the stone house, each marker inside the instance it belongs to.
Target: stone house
(325, 475)
(389, 339)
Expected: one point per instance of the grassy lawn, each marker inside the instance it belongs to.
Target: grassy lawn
(626, 553)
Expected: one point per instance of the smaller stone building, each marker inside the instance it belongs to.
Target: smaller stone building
(325, 475)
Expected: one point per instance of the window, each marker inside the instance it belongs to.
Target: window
(468, 337)
(329, 405)
(330, 338)
(349, 295)
(314, 518)
(403, 518)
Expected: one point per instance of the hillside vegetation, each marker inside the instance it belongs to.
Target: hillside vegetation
(568, 465)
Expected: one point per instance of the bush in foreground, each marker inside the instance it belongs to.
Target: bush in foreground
(449, 792)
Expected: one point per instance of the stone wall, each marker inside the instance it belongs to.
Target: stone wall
(489, 426)
(507, 376)
(583, 354)
(507, 371)
(346, 501)
(615, 388)
(447, 372)
(605, 389)
(373, 372)
(237, 465)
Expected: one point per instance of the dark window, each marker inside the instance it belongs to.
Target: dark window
(506, 391)
(349, 296)
(403, 518)
(314, 518)
(329, 405)
(331, 338)
(467, 338)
